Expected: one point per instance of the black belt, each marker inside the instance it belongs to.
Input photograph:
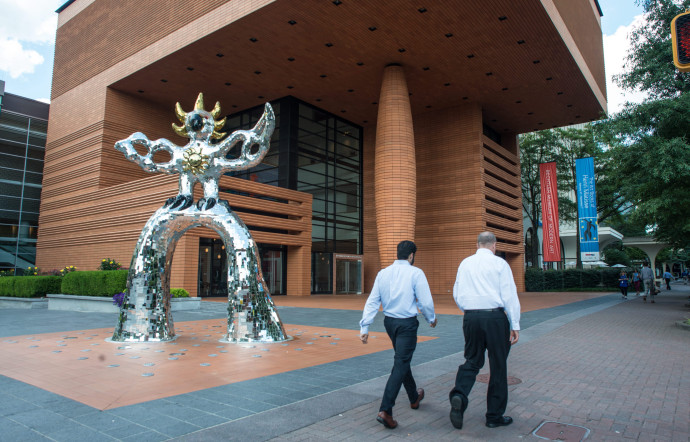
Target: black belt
(489, 310)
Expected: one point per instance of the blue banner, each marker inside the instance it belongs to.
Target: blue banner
(587, 209)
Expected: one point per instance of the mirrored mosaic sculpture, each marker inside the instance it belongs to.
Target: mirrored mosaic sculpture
(145, 312)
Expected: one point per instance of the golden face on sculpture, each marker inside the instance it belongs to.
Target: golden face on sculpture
(195, 161)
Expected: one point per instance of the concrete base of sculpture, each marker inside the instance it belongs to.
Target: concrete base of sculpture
(145, 313)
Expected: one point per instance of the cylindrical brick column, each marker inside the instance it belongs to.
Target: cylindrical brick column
(395, 170)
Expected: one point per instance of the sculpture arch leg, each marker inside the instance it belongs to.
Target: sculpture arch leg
(145, 313)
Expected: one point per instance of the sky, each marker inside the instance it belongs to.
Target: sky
(27, 40)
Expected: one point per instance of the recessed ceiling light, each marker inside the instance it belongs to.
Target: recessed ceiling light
(337, 2)
(228, 83)
(375, 102)
(257, 72)
(343, 111)
(401, 50)
(163, 80)
(518, 102)
(488, 74)
(540, 123)
(219, 55)
(253, 40)
(530, 113)
(290, 87)
(291, 59)
(446, 84)
(536, 62)
(318, 100)
(428, 106)
(323, 75)
(549, 78)
(569, 105)
(140, 91)
(422, 10)
(372, 28)
(365, 121)
(329, 45)
(521, 42)
(449, 35)
(234, 105)
(470, 56)
(425, 68)
(260, 97)
(559, 93)
(359, 63)
(350, 90)
(502, 18)
(465, 98)
(189, 68)
(504, 89)
(577, 116)
(292, 22)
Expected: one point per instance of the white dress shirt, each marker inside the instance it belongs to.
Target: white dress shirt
(484, 282)
(400, 287)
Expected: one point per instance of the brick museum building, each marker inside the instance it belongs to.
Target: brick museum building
(396, 120)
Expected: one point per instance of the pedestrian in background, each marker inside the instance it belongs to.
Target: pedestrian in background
(636, 281)
(400, 288)
(485, 291)
(623, 284)
(647, 280)
(667, 278)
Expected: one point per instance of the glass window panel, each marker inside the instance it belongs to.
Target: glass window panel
(11, 175)
(9, 203)
(34, 165)
(12, 161)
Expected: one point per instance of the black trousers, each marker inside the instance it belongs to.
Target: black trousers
(485, 331)
(403, 334)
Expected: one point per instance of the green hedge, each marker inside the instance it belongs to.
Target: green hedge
(179, 293)
(29, 286)
(94, 283)
(537, 280)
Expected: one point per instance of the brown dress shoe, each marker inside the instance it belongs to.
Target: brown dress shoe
(387, 420)
(414, 405)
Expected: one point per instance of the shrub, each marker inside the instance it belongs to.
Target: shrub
(109, 264)
(537, 280)
(7, 285)
(29, 287)
(179, 293)
(67, 269)
(94, 283)
(9, 272)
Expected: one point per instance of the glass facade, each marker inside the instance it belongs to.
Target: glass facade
(22, 147)
(319, 153)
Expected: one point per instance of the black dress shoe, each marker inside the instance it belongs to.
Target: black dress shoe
(414, 405)
(386, 419)
(458, 406)
(500, 422)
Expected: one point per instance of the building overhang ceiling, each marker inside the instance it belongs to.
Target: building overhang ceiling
(504, 55)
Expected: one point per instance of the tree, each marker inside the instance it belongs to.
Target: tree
(535, 148)
(564, 146)
(650, 141)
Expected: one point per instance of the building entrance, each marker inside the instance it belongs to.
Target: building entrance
(348, 274)
(213, 270)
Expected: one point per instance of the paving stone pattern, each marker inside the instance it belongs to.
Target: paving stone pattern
(619, 368)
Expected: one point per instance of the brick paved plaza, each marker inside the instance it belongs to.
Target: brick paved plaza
(592, 366)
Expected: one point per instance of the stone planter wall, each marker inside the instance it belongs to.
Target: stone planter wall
(23, 303)
(105, 304)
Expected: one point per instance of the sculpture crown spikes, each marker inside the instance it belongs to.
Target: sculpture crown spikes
(184, 131)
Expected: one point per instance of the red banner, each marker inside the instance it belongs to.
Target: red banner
(549, 212)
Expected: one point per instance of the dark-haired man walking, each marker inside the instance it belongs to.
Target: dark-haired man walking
(485, 291)
(400, 288)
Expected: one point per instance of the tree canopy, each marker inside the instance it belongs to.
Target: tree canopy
(649, 141)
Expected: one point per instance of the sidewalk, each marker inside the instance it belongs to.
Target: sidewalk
(620, 369)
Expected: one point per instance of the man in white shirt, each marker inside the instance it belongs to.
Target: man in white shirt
(400, 287)
(485, 291)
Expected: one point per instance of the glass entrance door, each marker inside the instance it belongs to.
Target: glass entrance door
(272, 268)
(348, 274)
(213, 278)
